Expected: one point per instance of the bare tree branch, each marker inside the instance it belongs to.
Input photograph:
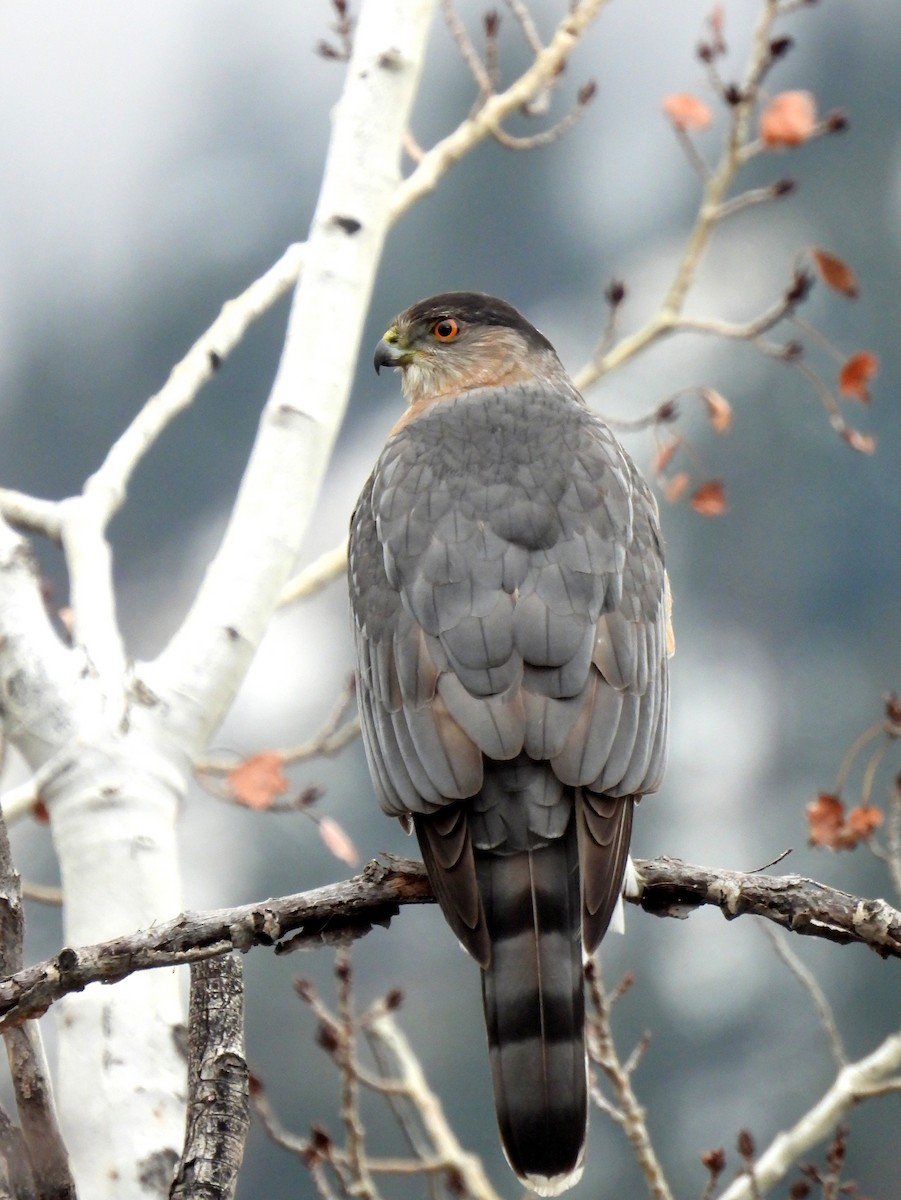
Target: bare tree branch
(669, 888)
(200, 670)
(672, 888)
(711, 209)
(856, 1081)
(25, 1051)
(108, 485)
(404, 1067)
(218, 1082)
(316, 917)
(547, 64)
(628, 1111)
(316, 575)
(811, 984)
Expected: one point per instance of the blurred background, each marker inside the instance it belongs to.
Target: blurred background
(156, 159)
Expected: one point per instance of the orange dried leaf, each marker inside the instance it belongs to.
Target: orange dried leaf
(836, 273)
(857, 372)
(259, 780)
(687, 112)
(718, 409)
(825, 819)
(664, 455)
(337, 841)
(709, 499)
(788, 120)
(677, 486)
(865, 820)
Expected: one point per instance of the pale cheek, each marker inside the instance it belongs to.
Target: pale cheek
(423, 379)
(415, 382)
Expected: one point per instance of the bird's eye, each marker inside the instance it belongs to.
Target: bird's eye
(446, 330)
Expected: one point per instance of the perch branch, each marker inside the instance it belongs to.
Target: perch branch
(668, 886)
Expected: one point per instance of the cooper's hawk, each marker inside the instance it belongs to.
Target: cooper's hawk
(509, 602)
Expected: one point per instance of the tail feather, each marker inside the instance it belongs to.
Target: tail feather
(535, 1010)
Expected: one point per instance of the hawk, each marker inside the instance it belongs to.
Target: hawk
(510, 612)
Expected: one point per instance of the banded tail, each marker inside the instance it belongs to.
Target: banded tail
(525, 916)
(533, 995)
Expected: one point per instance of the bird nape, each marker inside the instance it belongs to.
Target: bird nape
(510, 606)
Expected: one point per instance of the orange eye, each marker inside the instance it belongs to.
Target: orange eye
(446, 330)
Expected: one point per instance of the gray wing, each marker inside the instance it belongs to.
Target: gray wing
(508, 592)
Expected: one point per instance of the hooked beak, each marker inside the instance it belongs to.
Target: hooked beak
(388, 353)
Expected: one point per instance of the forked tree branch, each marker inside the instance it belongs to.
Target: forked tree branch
(349, 909)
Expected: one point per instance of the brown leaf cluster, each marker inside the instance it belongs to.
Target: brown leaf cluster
(831, 826)
(709, 498)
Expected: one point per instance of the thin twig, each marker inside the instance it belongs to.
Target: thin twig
(42, 893)
(331, 738)
(395, 1091)
(893, 837)
(543, 70)
(716, 187)
(761, 195)
(537, 141)
(692, 154)
(526, 24)
(818, 997)
(362, 1182)
(863, 739)
(467, 50)
(744, 331)
(382, 1027)
(602, 1049)
(310, 1155)
(328, 566)
(853, 1081)
(108, 485)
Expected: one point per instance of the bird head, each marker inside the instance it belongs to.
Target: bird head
(456, 341)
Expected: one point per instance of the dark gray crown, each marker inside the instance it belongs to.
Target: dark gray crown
(473, 308)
